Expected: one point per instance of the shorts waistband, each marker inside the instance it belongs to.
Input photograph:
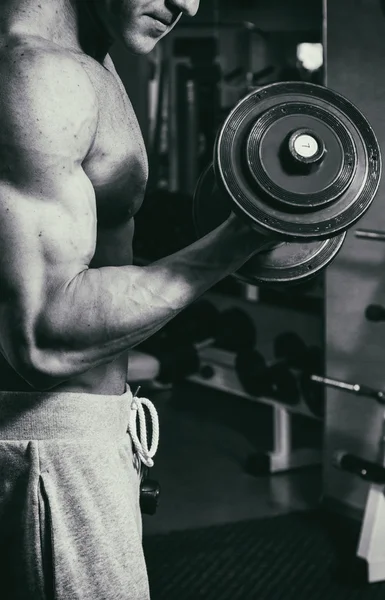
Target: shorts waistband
(63, 415)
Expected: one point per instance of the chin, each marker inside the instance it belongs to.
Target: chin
(139, 44)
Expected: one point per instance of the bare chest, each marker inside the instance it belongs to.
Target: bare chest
(117, 163)
(117, 168)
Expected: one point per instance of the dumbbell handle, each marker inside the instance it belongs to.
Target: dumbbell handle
(370, 234)
(353, 388)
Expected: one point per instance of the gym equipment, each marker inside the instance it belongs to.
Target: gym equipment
(313, 395)
(284, 262)
(161, 363)
(269, 154)
(289, 379)
(282, 381)
(299, 163)
(176, 346)
(370, 234)
(367, 470)
(352, 388)
(259, 379)
(177, 364)
(371, 539)
(304, 361)
(291, 448)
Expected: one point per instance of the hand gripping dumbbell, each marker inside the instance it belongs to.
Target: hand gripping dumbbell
(300, 164)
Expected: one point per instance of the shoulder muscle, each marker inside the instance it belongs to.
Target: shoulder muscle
(48, 107)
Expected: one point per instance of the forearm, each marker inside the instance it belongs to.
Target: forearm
(103, 312)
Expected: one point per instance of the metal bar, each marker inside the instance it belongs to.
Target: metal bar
(353, 388)
(370, 234)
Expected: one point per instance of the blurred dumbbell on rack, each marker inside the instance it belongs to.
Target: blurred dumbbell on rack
(286, 380)
(296, 376)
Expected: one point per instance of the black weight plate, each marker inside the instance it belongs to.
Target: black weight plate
(313, 395)
(285, 263)
(252, 372)
(260, 192)
(285, 183)
(291, 261)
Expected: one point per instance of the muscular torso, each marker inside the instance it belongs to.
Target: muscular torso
(117, 168)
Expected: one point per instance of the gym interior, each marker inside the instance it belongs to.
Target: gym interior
(269, 388)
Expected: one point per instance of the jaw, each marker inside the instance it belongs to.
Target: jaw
(143, 43)
(134, 35)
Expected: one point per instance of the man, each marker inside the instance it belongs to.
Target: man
(73, 172)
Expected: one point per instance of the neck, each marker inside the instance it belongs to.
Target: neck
(72, 24)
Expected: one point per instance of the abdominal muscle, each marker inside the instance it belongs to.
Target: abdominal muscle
(108, 379)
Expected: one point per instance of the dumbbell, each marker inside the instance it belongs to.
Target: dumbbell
(300, 164)
(164, 363)
(259, 379)
(275, 380)
(176, 346)
(306, 361)
(365, 469)
(286, 379)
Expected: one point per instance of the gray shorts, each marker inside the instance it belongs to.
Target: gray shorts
(70, 522)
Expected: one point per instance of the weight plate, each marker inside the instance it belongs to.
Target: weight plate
(279, 153)
(287, 262)
(298, 160)
(291, 261)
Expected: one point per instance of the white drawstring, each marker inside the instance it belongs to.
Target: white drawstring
(140, 442)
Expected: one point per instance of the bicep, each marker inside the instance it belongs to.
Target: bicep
(47, 204)
(44, 244)
(46, 235)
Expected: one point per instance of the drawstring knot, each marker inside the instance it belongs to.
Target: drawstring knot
(140, 440)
